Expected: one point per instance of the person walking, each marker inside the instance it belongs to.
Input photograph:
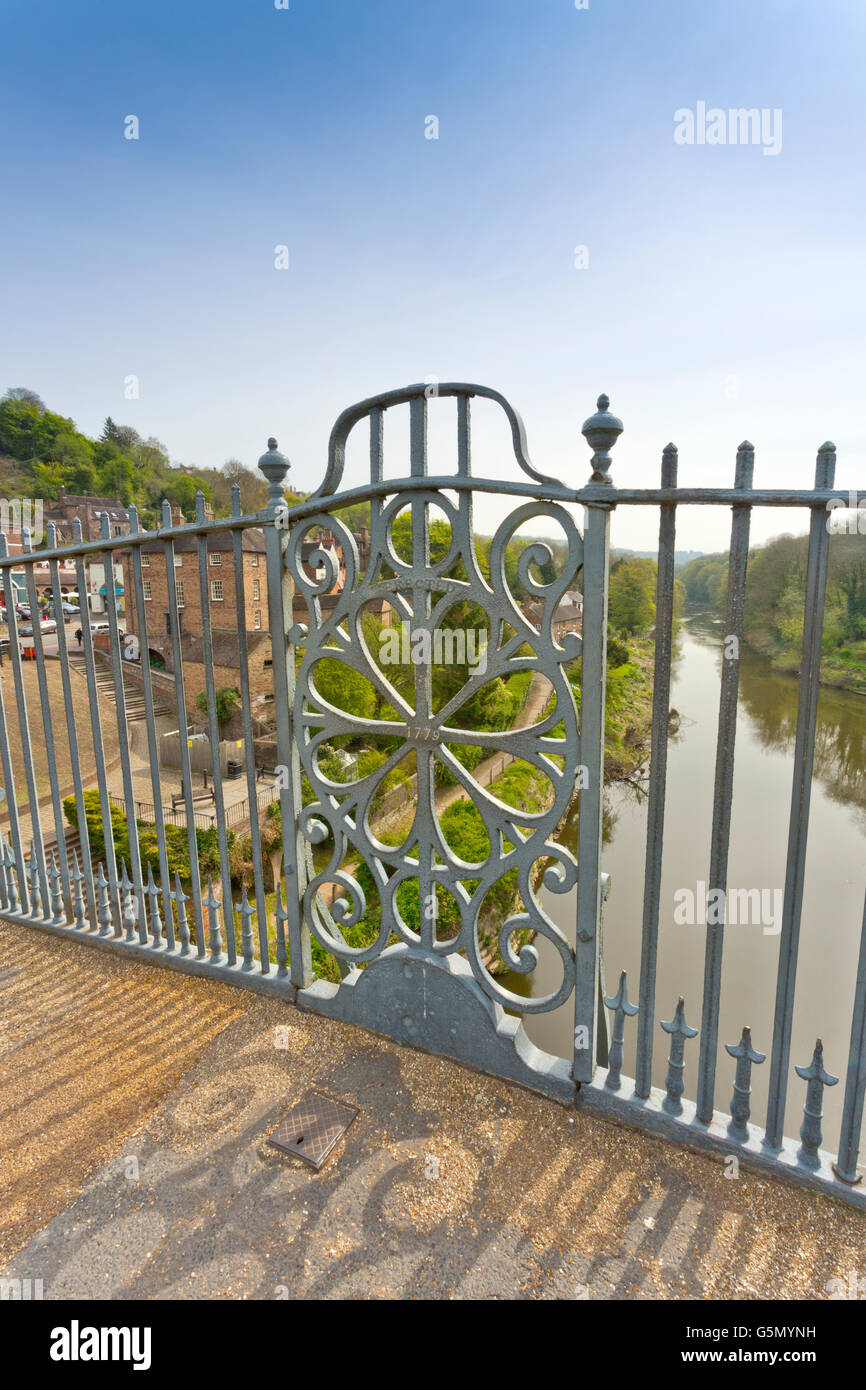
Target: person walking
(79, 636)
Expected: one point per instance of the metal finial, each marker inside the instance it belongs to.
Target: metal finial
(601, 431)
(275, 466)
(816, 1077)
(746, 1057)
(622, 1009)
(679, 1032)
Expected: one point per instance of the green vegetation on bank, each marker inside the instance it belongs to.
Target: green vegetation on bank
(41, 451)
(775, 604)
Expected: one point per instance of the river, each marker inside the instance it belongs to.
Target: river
(835, 875)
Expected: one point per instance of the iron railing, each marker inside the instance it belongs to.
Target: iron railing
(433, 989)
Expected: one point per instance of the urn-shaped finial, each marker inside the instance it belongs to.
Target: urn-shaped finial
(275, 466)
(601, 431)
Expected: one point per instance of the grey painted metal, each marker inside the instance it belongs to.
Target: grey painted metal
(79, 906)
(15, 851)
(658, 776)
(150, 726)
(212, 903)
(724, 785)
(601, 432)
(71, 733)
(420, 592)
(120, 714)
(249, 750)
(855, 1081)
(96, 729)
(679, 1032)
(746, 1058)
(798, 831)
(816, 1077)
(180, 900)
(153, 891)
(23, 718)
(622, 1009)
(247, 911)
(439, 994)
(182, 723)
(297, 858)
(45, 706)
(210, 695)
(103, 902)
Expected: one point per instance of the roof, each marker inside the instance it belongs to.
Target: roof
(252, 540)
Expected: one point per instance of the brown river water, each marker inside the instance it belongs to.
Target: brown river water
(834, 889)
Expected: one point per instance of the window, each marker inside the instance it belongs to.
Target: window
(118, 530)
(145, 561)
(215, 558)
(254, 562)
(257, 619)
(216, 590)
(256, 593)
(178, 561)
(180, 601)
(146, 586)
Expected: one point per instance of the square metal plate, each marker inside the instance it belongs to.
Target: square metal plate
(312, 1127)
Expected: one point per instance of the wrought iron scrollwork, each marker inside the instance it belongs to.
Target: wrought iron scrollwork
(420, 593)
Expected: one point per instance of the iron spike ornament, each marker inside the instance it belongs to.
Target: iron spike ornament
(213, 905)
(816, 1078)
(680, 1032)
(622, 1009)
(746, 1058)
(155, 920)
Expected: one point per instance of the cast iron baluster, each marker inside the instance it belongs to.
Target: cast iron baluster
(740, 1105)
(180, 898)
(816, 1078)
(153, 893)
(275, 467)
(623, 1009)
(58, 910)
(282, 917)
(33, 885)
(601, 432)
(4, 899)
(801, 792)
(855, 1083)
(246, 911)
(128, 902)
(103, 903)
(723, 786)
(658, 776)
(12, 895)
(213, 905)
(79, 907)
(675, 1084)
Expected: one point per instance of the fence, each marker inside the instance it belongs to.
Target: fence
(234, 814)
(432, 988)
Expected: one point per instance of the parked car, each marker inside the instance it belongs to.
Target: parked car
(45, 625)
(70, 610)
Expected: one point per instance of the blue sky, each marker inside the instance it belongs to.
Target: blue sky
(724, 296)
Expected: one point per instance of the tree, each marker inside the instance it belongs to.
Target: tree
(226, 702)
(28, 397)
(631, 599)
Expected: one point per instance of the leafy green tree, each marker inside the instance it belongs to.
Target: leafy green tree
(631, 601)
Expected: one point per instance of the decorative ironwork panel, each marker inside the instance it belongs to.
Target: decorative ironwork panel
(418, 593)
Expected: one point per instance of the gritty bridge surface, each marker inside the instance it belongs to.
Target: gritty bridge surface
(134, 1108)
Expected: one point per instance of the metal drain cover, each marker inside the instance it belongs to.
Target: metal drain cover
(312, 1127)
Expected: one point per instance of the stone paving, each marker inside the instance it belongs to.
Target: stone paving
(134, 1108)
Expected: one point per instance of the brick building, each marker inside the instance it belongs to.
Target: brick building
(156, 641)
